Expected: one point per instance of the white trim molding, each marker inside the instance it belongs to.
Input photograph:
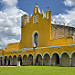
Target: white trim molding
(66, 53)
(46, 53)
(38, 54)
(33, 37)
(55, 53)
(72, 53)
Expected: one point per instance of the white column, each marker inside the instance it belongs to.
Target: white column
(50, 61)
(42, 61)
(7, 61)
(18, 63)
(70, 61)
(0, 62)
(60, 61)
(11, 62)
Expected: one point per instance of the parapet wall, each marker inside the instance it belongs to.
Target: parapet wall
(61, 31)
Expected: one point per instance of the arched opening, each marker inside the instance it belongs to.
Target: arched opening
(30, 60)
(5, 60)
(65, 59)
(73, 59)
(46, 60)
(20, 59)
(14, 60)
(10, 60)
(55, 59)
(25, 60)
(0, 60)
(36, 38)
(39, 60)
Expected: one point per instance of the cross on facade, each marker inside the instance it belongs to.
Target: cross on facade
(48, 7)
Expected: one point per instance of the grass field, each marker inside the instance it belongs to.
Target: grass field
(36, 70)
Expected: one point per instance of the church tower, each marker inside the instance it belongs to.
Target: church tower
(36, 29)
(48, 17)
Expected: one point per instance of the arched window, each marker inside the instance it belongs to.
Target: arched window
(47, 15)
(35, 10)
(37, 18)
(33, 19)
(27, 19)
(36, 38)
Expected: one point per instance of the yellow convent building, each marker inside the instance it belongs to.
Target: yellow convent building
(42, 43)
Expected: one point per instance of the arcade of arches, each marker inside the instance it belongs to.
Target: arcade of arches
(46, 60)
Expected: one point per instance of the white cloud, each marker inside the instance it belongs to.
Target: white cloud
(10, 21)
(67, 18)
(10, 2)
(69, 2)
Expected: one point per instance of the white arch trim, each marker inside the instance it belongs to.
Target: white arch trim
(1, 56)
(5, 56)
(72, 53)
(24, 55)
(66, 53)
(55, 53)
(14, 55)
(33, 37)
(19, 55)
(30, 54)
(38, 54)
(9, 56)
(46, 53)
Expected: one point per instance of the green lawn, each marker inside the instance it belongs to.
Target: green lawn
(37, 70)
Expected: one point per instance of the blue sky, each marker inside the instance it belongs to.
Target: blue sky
(12, 10)
(56, 6)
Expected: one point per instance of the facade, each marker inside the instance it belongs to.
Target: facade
(42, 43)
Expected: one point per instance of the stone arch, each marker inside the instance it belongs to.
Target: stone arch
(46, 59)
(5, 60)
(65, 59)
(10, 60)
(39, 59)
(30, 59)
(38, 54)
(25, 60)
(66, 53)
(73, 58)
(1, 60)
(20, 59)
(55, 59)
(14, 60)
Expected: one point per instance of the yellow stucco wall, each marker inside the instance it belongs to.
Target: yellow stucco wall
(1, 52)
(42, 50)
(12, 46)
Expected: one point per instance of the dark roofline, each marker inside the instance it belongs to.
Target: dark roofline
(62, 25)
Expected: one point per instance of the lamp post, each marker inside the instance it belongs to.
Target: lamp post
(34, 46)
(3, 57)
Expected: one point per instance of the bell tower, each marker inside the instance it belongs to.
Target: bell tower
(48, 17)
(36, 29)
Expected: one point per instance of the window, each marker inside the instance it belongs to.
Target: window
(28, 20)
(37, 18)
(48, 15)
(35, 10)
(36, 38)
(34, 19)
